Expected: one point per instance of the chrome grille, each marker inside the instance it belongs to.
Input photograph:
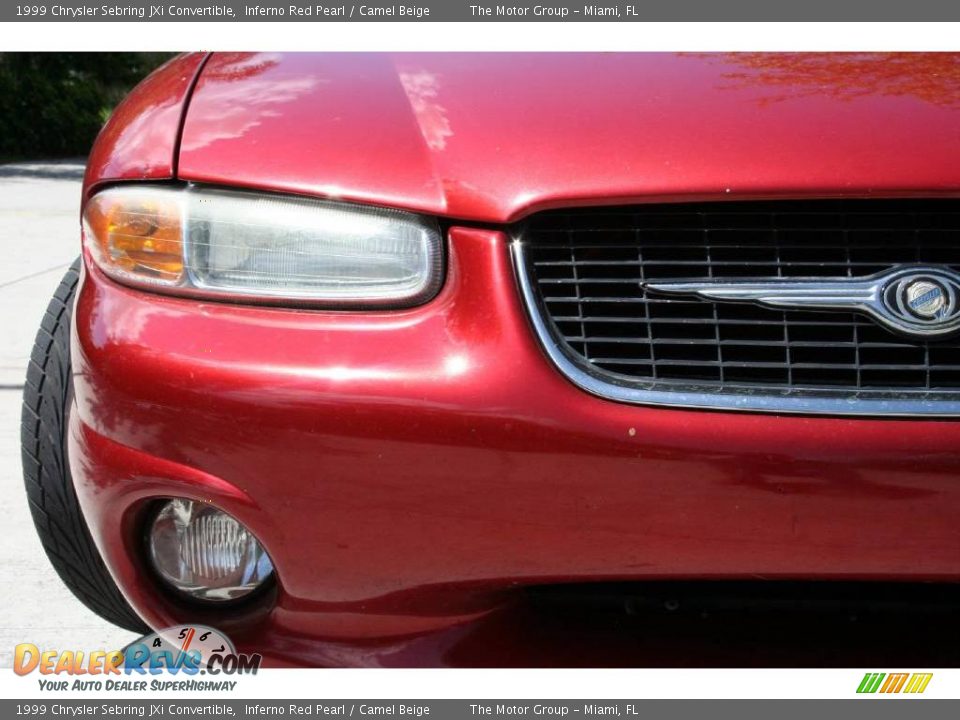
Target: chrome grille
(582, 270)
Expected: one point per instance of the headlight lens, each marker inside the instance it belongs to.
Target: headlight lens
(243, 245)
(205, 553)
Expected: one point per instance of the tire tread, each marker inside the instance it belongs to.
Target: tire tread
(51, 495)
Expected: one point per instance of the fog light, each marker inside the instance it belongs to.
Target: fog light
(205, 553)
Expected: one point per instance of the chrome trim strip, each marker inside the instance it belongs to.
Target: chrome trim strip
(628, 390)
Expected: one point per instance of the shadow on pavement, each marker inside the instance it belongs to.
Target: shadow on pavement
(71, 169)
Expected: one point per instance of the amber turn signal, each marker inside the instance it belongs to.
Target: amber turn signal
(136, 235)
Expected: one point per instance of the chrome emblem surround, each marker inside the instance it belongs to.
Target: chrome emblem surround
(919, 301)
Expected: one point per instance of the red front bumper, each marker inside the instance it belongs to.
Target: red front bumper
(410, 471)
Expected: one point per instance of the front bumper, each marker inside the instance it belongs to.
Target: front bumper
(410, 471)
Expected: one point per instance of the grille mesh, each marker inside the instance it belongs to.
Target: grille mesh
(588, 264)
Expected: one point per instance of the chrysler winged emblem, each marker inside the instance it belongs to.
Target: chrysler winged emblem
(916, 300)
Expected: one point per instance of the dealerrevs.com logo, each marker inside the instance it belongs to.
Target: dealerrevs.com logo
(889, 683)
(149, 663)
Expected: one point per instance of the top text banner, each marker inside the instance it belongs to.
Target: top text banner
(467, 11)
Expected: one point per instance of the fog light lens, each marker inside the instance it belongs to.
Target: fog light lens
(205, 553)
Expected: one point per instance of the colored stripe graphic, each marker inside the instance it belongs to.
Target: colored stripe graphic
(918, 682)
(894, 683)
(870, 682)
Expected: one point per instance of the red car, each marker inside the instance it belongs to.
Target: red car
(382, 359)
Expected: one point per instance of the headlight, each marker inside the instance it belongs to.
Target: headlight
(267, 248)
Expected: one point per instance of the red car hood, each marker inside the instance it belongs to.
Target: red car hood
(492, 137)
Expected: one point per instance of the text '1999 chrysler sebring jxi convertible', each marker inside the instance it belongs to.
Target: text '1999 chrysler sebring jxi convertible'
(454, 359)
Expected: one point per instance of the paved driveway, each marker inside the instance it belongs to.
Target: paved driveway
(39, 222)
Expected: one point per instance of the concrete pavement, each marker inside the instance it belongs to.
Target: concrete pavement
(39, 230)
(39, 224)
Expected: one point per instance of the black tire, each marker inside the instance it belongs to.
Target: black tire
(46, 472)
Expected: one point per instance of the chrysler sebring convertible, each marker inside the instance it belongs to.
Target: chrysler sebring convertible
(380, 359)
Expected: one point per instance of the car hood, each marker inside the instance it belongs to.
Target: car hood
(492, 137)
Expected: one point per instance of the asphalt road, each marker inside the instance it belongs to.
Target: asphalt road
(39, 223)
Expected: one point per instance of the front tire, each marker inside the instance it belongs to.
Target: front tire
(56, 512)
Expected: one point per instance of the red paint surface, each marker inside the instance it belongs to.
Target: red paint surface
(494, 136)
(409, 471)
(140, 138)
